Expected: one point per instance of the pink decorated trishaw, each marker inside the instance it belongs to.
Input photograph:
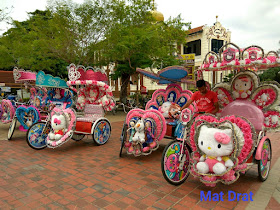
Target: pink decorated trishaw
(143, 129)
(94, 97)
(219, 148)
(26, 113)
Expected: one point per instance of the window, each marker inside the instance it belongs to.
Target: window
(193, 47)
(216, 45)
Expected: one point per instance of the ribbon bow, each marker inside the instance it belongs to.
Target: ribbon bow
(57, 121)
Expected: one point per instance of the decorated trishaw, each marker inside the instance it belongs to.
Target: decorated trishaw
(93, 97)
(143, 129)
(219, 148)
(26, 113)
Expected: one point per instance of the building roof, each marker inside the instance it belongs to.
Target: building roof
(7, 78)
(195, 30)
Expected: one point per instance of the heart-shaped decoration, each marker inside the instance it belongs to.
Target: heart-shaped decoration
(27, 116)
(16, 74)
(149, 125)
(63, 122)
(241, 144)
(8, 111)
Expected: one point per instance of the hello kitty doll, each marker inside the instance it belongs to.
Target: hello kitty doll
(242, 87)
(217, 145)
(58, 123)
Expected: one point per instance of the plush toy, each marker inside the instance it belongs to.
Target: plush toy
(217, 145)
(132, 132)
(149, 138)
(59, 125)
(174, 111)
(242, 87)
(140, 133)
(57, 94)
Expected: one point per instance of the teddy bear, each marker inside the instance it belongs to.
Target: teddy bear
(217, 145)
(59, 126)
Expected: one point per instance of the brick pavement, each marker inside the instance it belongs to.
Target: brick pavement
(80, 175)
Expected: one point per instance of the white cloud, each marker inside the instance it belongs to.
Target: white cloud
(252, 22)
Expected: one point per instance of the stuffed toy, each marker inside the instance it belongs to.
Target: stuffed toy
(59, 125)
(242, 87)
(149, 138)
(217, 145)
(140, 133)
(174, 111)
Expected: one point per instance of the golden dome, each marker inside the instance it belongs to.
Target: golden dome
(157, 15)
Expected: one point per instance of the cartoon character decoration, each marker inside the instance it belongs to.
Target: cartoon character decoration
(242, 87)
(221, 148)
(174, 111)
(246, 86)
(62, 124)
(58, 93)
(217, 145)
(149, 138)
(146, 128)
(164, 109)
(59, 125)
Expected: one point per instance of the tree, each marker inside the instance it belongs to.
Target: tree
(271, 74)
(136, 40)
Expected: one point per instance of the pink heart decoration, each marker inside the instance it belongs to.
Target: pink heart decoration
(242, 123)
(152, 114)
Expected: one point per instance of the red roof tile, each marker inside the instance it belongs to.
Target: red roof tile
(195, 30)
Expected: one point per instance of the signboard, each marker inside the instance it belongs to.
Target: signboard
(2, 84)
(6, 89)
(189, 59)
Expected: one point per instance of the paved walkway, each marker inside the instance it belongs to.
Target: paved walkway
(80, 175)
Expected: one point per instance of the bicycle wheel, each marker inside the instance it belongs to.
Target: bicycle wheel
(12, 128)
(175, 167)
(77, 137)
(101, 132)
(36, 135)
(123, 138)
(265, 161)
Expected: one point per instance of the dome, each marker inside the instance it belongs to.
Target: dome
(157, 15)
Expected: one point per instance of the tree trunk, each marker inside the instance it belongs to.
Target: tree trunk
(125, 78)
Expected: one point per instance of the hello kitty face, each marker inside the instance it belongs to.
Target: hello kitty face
(58, 122)
(215, 142)
(243, 83)
(139, 126)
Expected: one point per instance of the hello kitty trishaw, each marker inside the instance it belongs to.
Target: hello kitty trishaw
(25, 113)
(48, 93)
(94, 96)
(143, 129)
(225, 146)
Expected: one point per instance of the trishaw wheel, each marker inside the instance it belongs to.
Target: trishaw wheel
(123, 138)
(174, 166)
(12, 128)
(101, 132)
(265, 161)
(77, 137)
(36, 135)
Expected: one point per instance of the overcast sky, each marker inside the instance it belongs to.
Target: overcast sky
(251, 22)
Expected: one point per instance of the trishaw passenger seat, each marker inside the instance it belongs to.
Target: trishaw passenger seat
(91, 113)
(246, 109)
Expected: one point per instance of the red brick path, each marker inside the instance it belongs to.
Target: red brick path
(80, 175)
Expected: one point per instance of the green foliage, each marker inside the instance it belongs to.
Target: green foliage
(228, 77)
(272, 74)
